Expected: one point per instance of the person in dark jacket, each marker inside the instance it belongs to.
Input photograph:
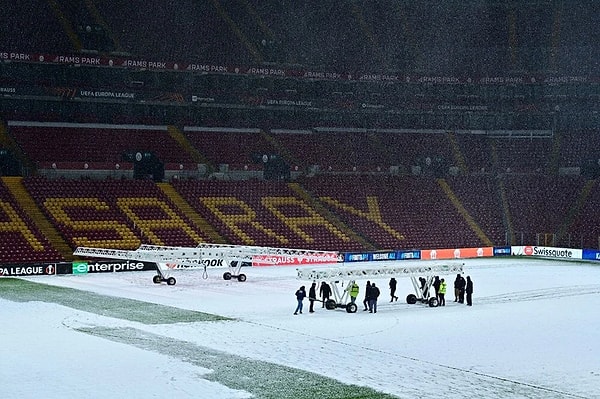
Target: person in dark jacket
(393, 284)
(300, 295)
(325, 292)
(373, 295)
(459, 288)
(436, 286)
(456, 287)
(469, 291)
(366, 300)
(423, 287)
(312, 296)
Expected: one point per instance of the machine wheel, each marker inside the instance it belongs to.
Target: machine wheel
(433, 302)
(330, 304)
(227, 276)
(156, 279)
(171, 281)
(351, 307)
(242, 278)
(411, 299)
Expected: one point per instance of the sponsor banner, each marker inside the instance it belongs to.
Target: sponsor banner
(110, 94)
(288, 103)
(456, 253)
(547, 252)
(111, 267)
(323, 75)
(295, 260)
(201, 265)
(383, 256)
(27, 270)
(350, 257)
(502, 251)
(8, 90)
(591, 254)
(401, 255)
(127, 62)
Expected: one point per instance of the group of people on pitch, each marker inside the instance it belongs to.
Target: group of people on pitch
(324, 293)
(462, 288)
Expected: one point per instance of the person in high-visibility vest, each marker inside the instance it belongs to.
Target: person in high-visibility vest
(352, 291)
(442, 293)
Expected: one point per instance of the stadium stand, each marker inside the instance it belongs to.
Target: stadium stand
(584, 231)
(109, 213)
(333, 149)
(265, 213)
(539, 205)
(31, 25)
(240, 148)
(21, 242)
(101, 146)
(394, 212)
(196, 31)
(458, 134)
(480, 196)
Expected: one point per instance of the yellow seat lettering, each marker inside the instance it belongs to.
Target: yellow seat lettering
(172, 221)
(373, 214)
(309, 217)
(17, 225)
(237, 221)
(58, 209)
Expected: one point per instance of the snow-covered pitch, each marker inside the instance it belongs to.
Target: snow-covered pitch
(533, 332)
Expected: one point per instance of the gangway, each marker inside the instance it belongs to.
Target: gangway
(235, 257)
(338, 275)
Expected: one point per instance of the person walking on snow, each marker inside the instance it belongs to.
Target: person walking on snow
(300, 295)
(393, 284)
(367, 297)
(325, 292)
(374, 294)
(312, 295)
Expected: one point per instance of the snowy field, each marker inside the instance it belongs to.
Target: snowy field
(533, 332)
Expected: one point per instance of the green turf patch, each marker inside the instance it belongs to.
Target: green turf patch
(264, 380)
(18, 290)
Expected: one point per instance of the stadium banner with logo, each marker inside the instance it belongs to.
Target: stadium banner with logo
(394, 255)
(591, 254)
(295, 260)
(383, 256)
(83, 267)
(502, 251)
(206, 262)
(111, 61)
(456, 253)
(356, 257)
(547, 252)
(405, 255)
(27, 270)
